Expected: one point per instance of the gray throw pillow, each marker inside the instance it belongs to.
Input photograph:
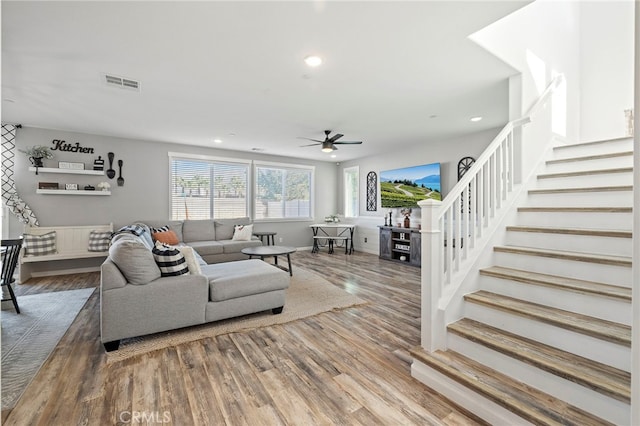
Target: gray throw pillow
(134, 260)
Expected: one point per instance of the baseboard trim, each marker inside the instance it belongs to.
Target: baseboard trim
(64, 272)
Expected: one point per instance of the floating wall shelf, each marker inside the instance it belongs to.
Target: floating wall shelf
(70, 192)
(67, 171)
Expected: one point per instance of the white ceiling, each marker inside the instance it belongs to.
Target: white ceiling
(394, 73)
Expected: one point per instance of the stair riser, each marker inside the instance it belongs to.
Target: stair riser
(606, 274)
(620, 145)
(478, 404)
(576, 220)
(587, 304)
(604, 163)
(612, 354)
(582, 199)
(580, 396)
(606, 179)
(577, 243)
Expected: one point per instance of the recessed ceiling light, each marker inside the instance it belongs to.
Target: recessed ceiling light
(313, 61)
(217, 140)
(475, 119)
(333, 156)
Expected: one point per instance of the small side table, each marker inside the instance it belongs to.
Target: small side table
(271, 241)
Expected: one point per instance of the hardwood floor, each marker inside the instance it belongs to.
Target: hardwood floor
(342, 367)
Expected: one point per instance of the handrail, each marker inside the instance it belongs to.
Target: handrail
(455, 230)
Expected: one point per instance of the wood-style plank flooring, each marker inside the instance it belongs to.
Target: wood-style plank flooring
(343, 367)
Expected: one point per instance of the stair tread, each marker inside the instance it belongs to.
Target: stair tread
(582, 189)
(592, 157)
(571, 284)
(572, 231)
(586, 172)
(601, 329)
(603, 141)
(577, 209)
(602, 378)
(527, 402)
(604, 259)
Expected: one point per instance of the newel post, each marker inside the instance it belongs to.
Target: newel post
(431, 274)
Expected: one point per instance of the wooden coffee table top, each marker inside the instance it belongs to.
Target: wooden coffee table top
(268, 250)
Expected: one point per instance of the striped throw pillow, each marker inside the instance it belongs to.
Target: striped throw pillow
(99, 240)
(170, 261)
(39, 245)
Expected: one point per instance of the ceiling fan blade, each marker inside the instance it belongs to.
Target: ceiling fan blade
(312, 144)
(335, 137)
(309, 139)
(349, 142)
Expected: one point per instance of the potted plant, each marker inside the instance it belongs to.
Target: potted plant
(36, 154)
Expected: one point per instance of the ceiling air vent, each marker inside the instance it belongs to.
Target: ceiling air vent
(121, 82)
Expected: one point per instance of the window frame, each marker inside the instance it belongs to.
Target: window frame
(345, 200)
(212, 159)
(286, 166)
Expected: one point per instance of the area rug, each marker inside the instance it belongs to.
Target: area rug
(308, 294)
(29, 337)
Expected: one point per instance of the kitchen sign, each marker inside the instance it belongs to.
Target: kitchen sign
(61, 145)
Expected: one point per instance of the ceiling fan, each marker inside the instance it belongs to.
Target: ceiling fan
(329, 143)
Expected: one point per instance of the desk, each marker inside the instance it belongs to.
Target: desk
(344, 231)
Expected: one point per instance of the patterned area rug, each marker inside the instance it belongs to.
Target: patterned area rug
(308, 294)
(29, 337)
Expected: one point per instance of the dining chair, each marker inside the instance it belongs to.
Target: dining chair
(10, 253)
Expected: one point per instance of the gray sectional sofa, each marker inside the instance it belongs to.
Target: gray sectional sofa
(136, 300)
(212, 239)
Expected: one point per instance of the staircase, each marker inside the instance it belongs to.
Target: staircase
(547, 337)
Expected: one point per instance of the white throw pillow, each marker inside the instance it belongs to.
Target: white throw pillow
(242, 233)
(192, 261)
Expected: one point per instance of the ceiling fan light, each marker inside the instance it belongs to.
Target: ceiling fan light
(327, 147)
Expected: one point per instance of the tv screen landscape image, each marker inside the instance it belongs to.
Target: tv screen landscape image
(405, 187)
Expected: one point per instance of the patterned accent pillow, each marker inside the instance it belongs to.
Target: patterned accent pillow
(161, 229)
(99, 240)
(164, 234)
(242, 233)
(132, 229)
(170, 261)
(39, 245)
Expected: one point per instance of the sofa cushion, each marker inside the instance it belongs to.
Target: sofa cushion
(230, 280)
(242, 233)
(134, 260)
(225, 227)
(206, 248)
(230, 246)
(166, 237)
(174, 225)
(193, 263)
(198, 230)
(170, 260)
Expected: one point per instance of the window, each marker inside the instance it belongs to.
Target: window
(283, 191)
(351, 192)
(207, 188)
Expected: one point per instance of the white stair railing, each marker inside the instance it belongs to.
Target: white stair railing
(454, 230)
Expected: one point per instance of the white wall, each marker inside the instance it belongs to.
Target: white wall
(145, 194)
(606, 59)
(540, 40)
(445, 152)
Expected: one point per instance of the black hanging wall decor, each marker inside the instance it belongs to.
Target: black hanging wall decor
(372, 192)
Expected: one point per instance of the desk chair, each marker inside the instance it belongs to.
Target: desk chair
(10, 253)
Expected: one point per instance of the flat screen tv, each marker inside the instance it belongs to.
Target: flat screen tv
(405, 187)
